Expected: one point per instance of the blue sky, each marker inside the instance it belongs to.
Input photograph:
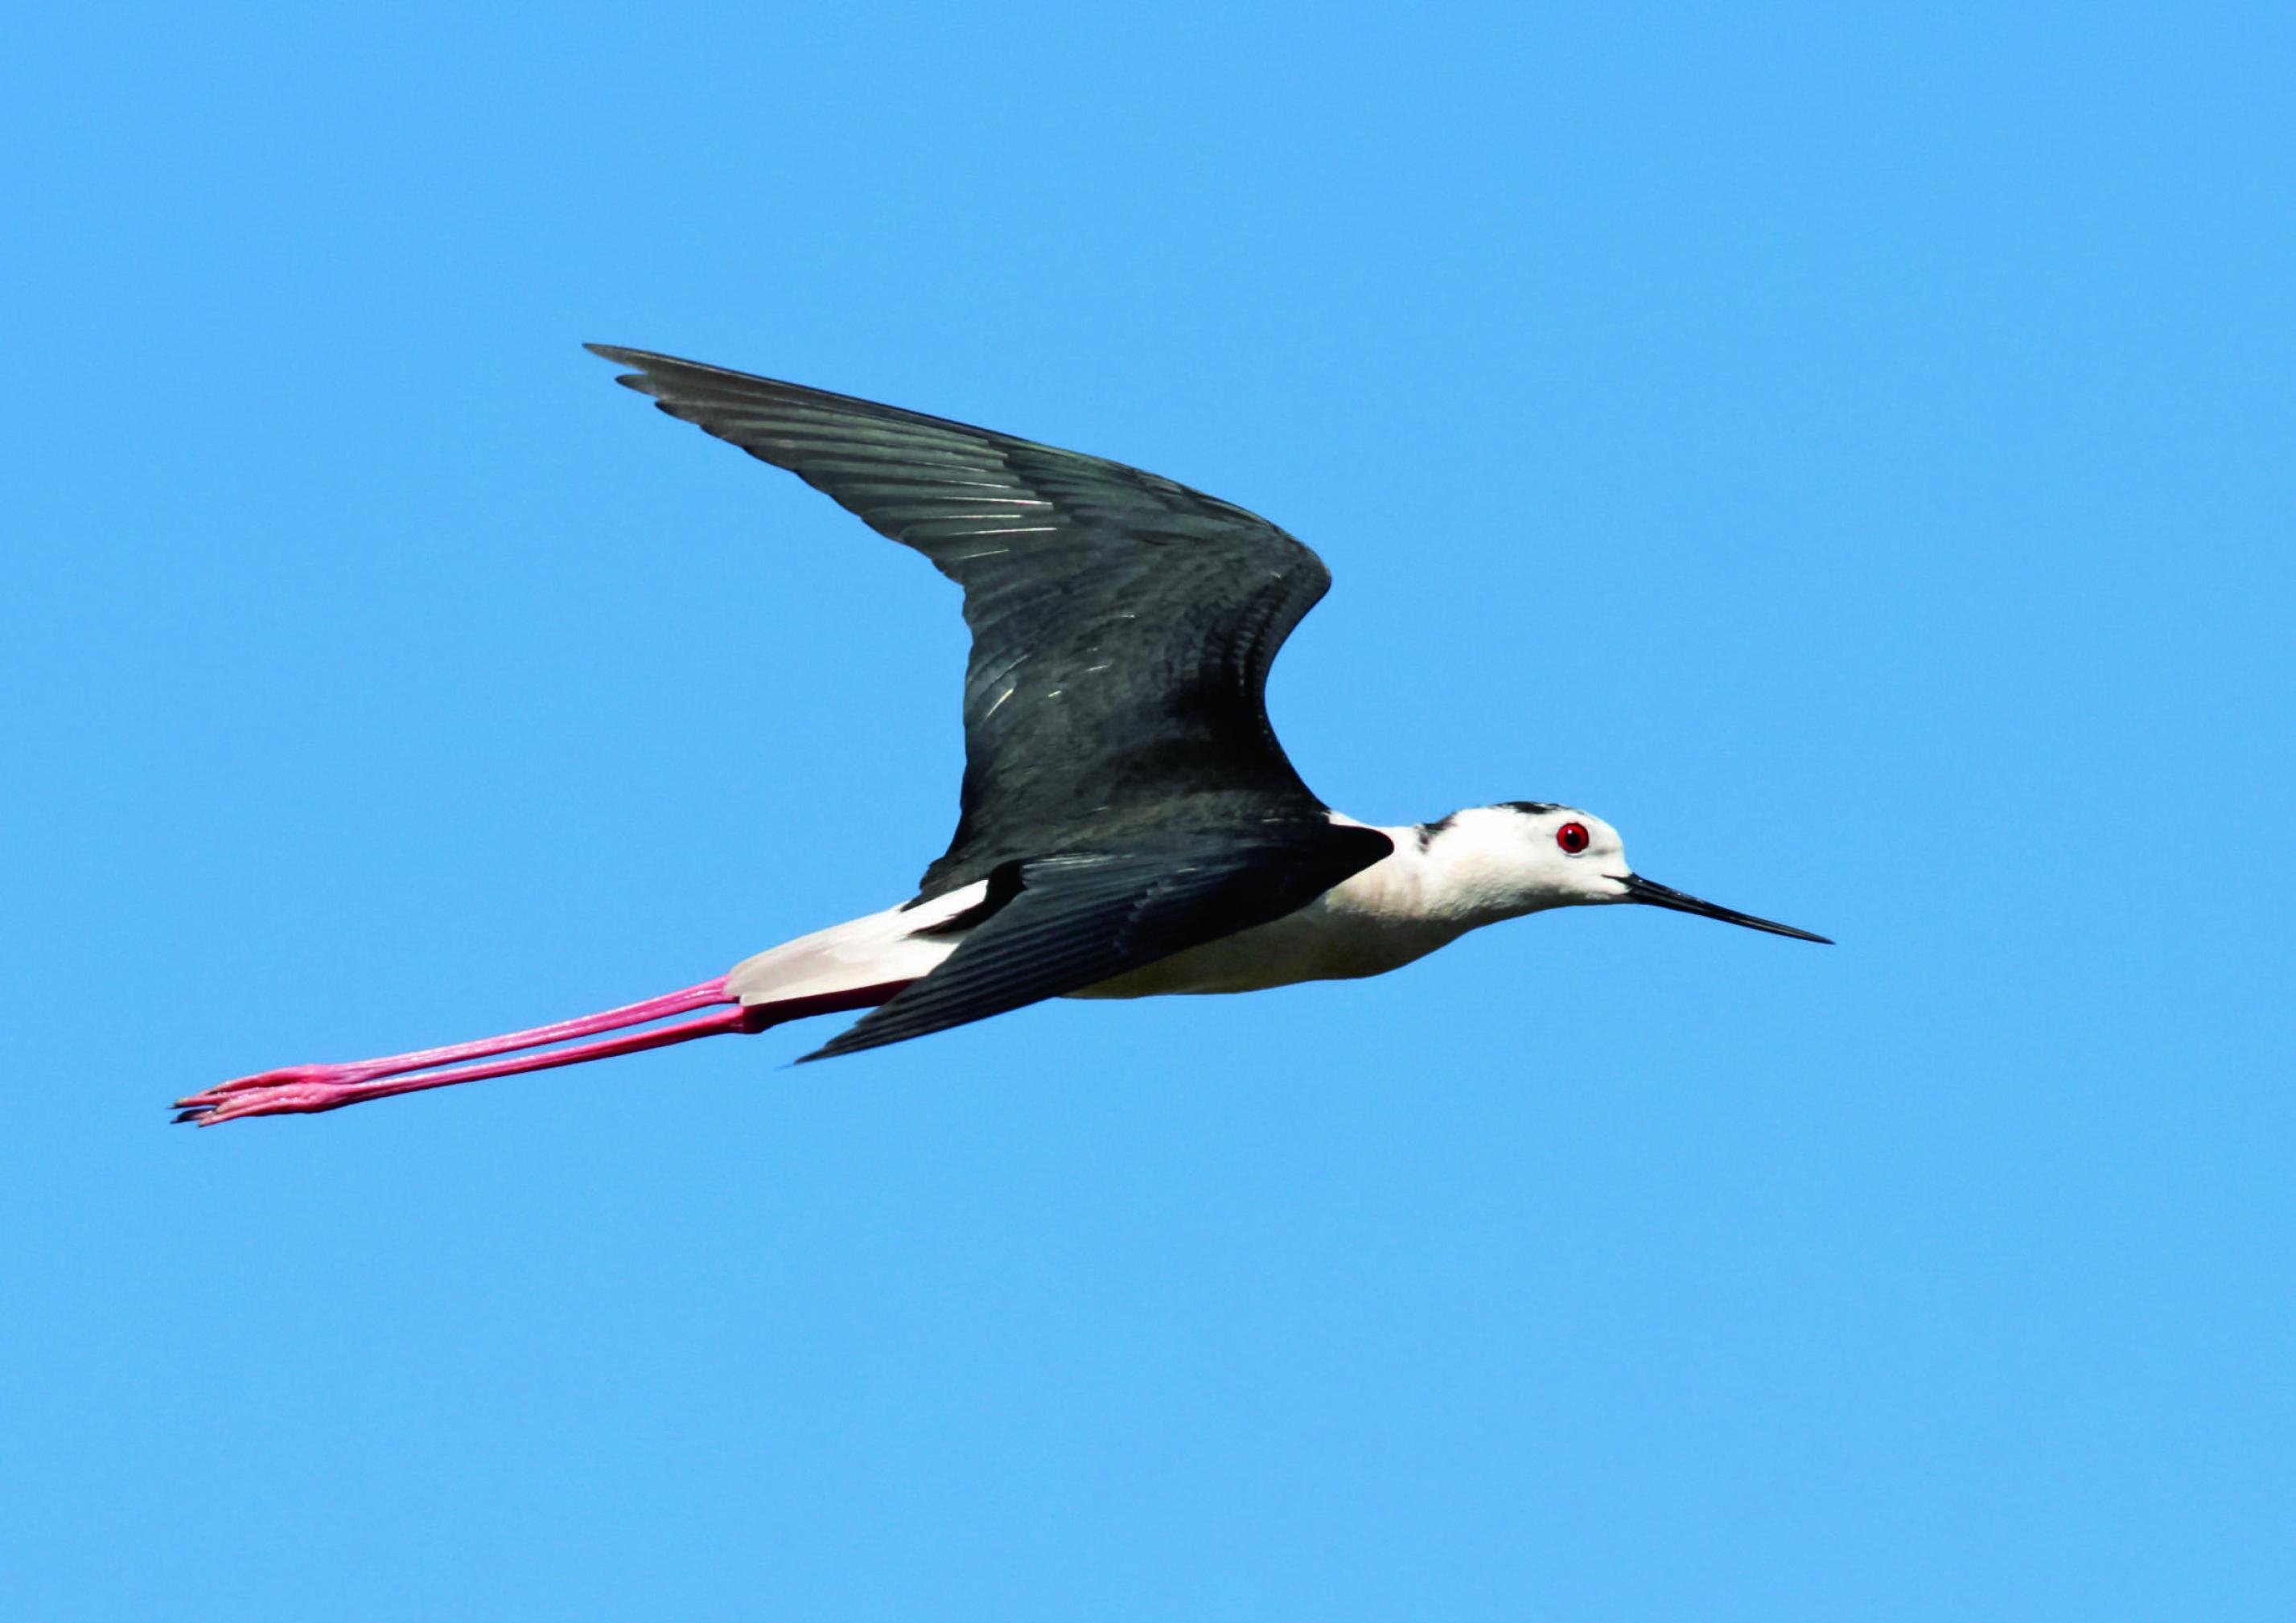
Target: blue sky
(1847, 447)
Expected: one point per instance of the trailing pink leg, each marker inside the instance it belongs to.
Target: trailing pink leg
(679, 1002)
(307, 1089)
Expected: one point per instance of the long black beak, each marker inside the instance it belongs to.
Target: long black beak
(1641, 889)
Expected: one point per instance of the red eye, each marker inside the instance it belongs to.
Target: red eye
(1572, 837)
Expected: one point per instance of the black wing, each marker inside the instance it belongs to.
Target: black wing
(1122, 625)
(1076, 920)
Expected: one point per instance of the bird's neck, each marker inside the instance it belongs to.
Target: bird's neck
(1444, 878)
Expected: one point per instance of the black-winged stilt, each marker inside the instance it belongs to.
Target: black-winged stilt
(1128, 825)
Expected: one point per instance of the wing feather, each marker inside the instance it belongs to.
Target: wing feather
(1123, 624)
(1076, 920)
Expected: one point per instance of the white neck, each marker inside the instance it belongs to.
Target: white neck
(1456, 875)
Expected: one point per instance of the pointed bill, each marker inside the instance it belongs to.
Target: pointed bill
(1653, 894)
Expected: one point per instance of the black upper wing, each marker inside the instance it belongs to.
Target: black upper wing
(1075, 919)
(1122, 625)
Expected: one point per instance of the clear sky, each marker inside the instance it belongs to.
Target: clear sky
(1849, 447)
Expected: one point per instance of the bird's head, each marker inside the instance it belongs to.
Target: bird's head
(1525, 856)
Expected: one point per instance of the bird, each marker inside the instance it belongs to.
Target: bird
(1128, 823)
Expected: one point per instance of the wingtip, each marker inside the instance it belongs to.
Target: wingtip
(635, 360)
(858, 1037)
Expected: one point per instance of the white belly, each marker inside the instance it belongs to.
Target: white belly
(1344, 934)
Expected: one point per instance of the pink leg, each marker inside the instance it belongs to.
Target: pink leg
(680, 1001)
(307, 1089)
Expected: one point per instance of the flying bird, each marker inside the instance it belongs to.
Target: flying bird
(1128, 823)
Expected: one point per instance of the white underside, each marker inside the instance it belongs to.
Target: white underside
(1399, 909)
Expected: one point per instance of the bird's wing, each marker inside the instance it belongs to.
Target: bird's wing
(1123, 625)
(1075, 919)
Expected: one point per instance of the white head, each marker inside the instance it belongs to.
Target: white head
(1525, 856)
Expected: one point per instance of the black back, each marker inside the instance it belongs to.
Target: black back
(1123, 625)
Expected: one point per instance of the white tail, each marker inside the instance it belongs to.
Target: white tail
(883, 949)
